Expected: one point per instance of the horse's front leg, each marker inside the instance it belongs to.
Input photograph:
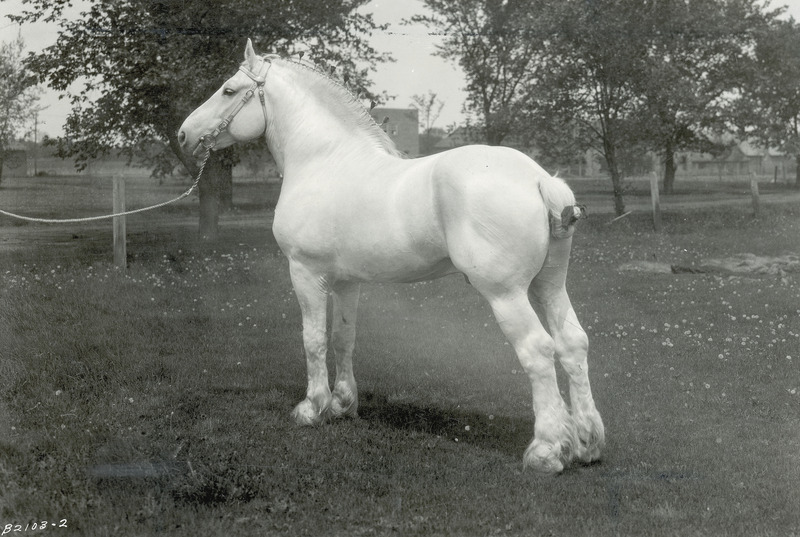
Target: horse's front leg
(312, 293)
(345, 308)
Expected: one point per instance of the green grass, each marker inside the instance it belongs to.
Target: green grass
(158, 401)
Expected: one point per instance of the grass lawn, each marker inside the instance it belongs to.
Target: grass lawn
(157, 401)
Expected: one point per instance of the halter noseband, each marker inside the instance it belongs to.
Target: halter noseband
(210, 140)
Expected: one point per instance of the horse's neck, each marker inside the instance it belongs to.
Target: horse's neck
(304, 132)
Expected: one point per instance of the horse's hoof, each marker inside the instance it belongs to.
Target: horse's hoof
(305, 414)
(543, 458)
(344, 407)
(587, 451)
(591, 438)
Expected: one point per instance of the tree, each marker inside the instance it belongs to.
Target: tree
(496, 43)
(616, 76)
(535, 68)
(18, 95)
(769, 106)
(146, 64)
(694, 62)
(594, 51)
(649, 75)
(429, 108)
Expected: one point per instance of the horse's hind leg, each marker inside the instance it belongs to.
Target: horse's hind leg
(345, 308)
(312, 293)
(549, 295)
(551, 448)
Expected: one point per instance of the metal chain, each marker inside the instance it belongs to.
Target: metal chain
(114, 215)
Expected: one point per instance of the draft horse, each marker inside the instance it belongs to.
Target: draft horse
(352, 210)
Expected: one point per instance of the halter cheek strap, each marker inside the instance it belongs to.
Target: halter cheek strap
(210, 140)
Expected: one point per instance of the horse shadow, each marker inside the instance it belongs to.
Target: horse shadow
(497, 433)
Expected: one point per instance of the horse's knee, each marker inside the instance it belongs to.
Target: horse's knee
(536, 353)
(572, 348)
(576, 340)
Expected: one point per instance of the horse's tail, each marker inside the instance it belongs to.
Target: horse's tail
(562, 210)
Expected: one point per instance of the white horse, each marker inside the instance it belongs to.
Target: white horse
(352, 210)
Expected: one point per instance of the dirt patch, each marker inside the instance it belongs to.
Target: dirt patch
(646, 266)
(739, 264)
(754, 264)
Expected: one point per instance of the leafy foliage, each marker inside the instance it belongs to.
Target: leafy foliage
(614, 76)
(143, 65)
(18, 93)
(595, 58)
(769, 106)
(696, 58)
(429, 107)
(498, 44)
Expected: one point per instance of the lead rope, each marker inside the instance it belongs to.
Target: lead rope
(114, 215)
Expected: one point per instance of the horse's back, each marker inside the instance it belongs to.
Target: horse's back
(489, 160)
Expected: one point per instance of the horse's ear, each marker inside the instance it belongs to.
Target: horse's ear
(250, 54)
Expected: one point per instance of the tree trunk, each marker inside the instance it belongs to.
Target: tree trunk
(493, 137)
(669, 168)
(225, 179)
(209, 197)
(216, 192)
(616, 182)
(616, 178)
(797, 171)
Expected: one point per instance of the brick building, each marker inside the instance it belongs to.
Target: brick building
(402, 126)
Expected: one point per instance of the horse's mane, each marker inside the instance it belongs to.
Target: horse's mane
(351, 107)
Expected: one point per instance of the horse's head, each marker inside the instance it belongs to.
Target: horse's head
(235, 113)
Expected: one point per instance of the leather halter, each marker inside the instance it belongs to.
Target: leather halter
(209, 140)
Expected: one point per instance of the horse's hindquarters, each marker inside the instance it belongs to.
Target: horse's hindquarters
(492, 214)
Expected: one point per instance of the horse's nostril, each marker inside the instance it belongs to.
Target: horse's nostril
(181, 137)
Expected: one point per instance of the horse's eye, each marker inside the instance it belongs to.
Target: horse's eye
(228, 91)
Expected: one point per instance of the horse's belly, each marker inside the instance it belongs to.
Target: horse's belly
(365, 245)
(401, 269)
(380, 228)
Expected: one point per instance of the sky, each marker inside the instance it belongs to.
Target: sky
(416, 70)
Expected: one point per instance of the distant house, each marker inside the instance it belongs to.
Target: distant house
(402, 126)
(736, 160)
(739, 159)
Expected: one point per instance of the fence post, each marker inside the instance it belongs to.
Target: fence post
(656, 202)
(120, 240)
(754, 194)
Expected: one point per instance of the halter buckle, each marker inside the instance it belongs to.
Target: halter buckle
(209, 141)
